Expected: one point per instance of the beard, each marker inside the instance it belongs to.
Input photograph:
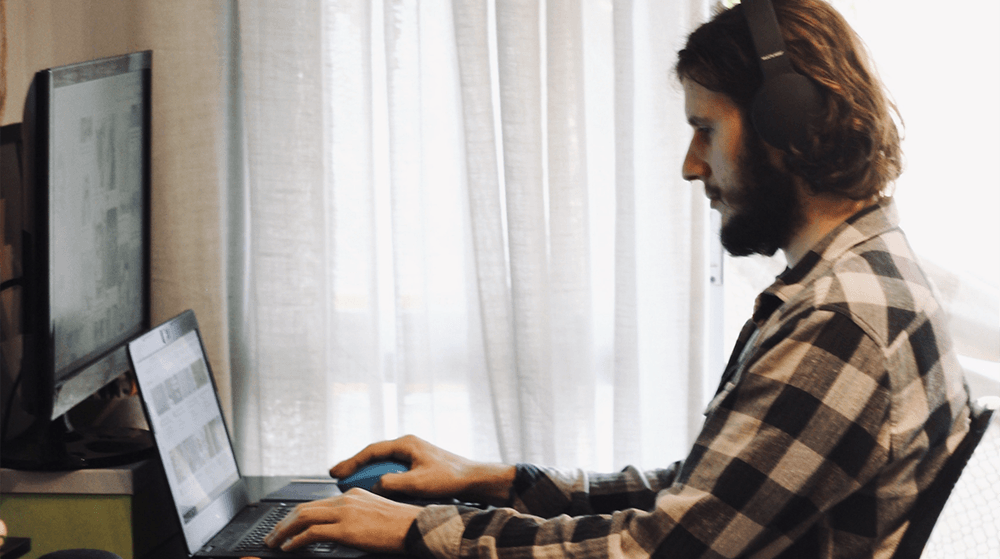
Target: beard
(767, 210)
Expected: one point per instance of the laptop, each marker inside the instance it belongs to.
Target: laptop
(209, 495)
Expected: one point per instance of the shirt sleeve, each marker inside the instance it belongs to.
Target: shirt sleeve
(549, 492)
(800, 433)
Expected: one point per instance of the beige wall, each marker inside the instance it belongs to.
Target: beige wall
(46, 33)
(188, 40)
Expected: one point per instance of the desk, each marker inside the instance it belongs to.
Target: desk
(125, 510)
(90, 508)
(258, 487)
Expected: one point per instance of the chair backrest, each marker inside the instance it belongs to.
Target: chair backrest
(930, 503)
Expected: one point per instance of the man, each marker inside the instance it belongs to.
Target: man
(840, 401)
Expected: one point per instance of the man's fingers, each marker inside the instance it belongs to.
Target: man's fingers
(371, 452)
(357, 519)
(311, 535)
(347, 467)
(298, 522)
(394, 483)
(398, 449)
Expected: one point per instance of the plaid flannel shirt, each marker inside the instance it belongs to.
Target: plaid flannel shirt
(840, 403)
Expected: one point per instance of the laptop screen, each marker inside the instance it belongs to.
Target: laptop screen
(186, 420)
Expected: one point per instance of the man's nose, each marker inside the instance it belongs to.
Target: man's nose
(694, 168)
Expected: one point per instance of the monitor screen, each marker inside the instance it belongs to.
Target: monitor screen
(91, 203)
(96, 201)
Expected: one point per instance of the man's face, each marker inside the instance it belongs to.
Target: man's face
(758, 200)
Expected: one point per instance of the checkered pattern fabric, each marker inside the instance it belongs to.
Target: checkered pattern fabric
(841, 402)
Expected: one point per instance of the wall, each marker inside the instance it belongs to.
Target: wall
(189, 40)
(45, 33)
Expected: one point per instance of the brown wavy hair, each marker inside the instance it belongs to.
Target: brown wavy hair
(855, 148)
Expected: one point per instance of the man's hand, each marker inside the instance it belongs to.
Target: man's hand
(358, 519)
(434, 472)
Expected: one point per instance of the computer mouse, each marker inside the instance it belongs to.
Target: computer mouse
(368, 475)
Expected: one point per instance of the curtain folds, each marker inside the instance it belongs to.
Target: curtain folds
(466, 221)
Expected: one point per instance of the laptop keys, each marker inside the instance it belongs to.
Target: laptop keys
(254, 540)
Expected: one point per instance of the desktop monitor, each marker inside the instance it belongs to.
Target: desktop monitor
(85, 248)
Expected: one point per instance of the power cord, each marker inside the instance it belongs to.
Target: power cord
(13, 282)
(9, 405)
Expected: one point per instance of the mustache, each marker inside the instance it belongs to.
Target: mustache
(714, 193)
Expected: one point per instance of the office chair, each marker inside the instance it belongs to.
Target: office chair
(80, 554)
(983, 470)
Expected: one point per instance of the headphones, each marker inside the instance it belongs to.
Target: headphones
(787, 102)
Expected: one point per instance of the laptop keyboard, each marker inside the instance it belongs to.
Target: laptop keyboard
(254, 541)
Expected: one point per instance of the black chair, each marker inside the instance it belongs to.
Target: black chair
(13, 548)
(931, 502)
(80, 554)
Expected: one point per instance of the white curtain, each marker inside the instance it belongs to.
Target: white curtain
(466, 221)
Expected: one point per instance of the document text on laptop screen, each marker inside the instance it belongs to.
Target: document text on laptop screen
(185, 414)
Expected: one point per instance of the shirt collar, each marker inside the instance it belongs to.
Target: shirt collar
(868, 223)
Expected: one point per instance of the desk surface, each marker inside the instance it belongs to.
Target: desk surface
(122, 480)
(260, 486)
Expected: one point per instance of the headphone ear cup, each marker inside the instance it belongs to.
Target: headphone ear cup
(784, 109)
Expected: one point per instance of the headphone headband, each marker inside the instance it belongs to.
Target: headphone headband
(766, 35)
(787, 103)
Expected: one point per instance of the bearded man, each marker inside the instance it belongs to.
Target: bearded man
(842, 398)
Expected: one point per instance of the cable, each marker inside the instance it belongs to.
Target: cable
(9, 405)
(14, 282)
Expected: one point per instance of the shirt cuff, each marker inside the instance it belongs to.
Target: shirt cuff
(414, 542)
(437, 532)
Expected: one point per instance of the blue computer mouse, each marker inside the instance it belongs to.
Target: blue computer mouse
(369, 474)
